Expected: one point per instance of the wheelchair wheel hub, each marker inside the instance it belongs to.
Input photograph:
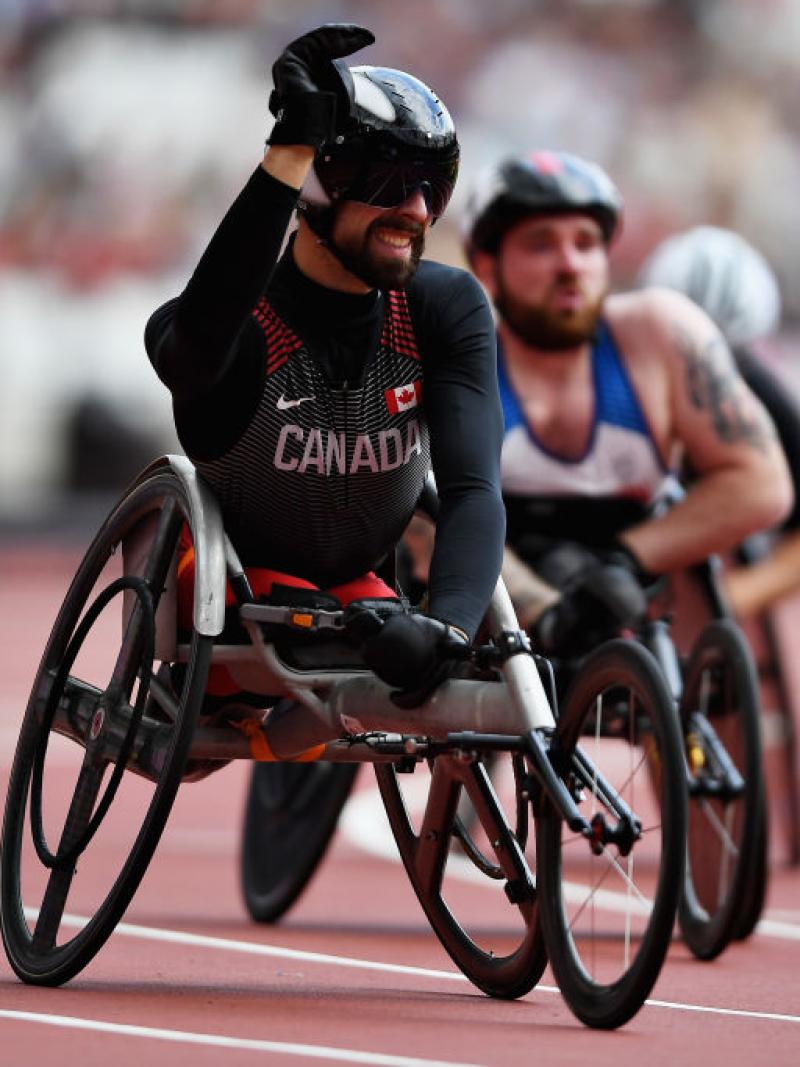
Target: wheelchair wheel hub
(624, 835)
(97, 723)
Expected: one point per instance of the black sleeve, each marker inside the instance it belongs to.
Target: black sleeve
(192, 341)
(464, 415)
(784, 408)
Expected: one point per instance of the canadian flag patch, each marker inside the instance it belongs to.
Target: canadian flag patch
(403, 397)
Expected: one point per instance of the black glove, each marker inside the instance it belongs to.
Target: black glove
(311, 95)
(604, 598)
(365, 617)
(562, 565)
(622, 556)
(414, 653)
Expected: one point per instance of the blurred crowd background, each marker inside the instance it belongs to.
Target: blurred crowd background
(128, 126)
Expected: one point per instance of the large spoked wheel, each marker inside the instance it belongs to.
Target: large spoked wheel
(726, 861)
(481, 872)
(102, 747)
(291, 814)
(608, 902)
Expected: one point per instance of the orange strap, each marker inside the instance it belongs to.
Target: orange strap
(259, 746)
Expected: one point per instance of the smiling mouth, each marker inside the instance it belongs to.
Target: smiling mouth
(394, 238)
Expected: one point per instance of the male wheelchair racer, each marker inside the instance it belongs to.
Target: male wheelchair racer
(711, 674)
(70, 843)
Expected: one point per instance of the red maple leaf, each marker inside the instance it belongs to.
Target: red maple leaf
(406, 396)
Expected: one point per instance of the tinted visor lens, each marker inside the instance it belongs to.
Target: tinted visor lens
(387, 183)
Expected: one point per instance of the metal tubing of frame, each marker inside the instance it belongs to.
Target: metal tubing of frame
(362, 703)
(520, 672)
(227, 743)
(359, 704)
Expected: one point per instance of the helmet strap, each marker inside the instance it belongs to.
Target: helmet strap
(319, 219)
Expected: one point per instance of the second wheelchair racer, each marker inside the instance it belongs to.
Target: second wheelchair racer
(314, 389)
(604, 396)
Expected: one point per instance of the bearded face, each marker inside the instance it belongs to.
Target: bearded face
(550, 280)
(381, 246)
(552, 329)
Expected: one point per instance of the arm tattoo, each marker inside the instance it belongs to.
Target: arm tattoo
(714, 385)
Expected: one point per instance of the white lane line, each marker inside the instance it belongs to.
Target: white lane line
(772, 1016)
(319, 1052)
(783, 931)
(250, 948)
(179, 937)
(363, 822)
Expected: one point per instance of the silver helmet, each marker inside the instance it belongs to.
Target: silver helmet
(722, 273)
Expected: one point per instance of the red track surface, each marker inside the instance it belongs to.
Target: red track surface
(187, 967)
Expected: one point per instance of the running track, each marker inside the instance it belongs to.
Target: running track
(352, 975)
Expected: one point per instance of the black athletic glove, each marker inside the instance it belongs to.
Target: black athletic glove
(365, 617)
(603, 599)
(622, 556)
(414, 653)
(310, 95)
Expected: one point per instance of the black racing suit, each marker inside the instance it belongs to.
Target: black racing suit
(315, 414)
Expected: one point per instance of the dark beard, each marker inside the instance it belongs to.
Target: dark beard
(543, 329)
(377, 274)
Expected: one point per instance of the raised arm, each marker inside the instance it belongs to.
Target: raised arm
(192, 340)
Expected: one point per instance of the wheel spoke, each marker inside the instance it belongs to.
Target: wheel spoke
(163, 697)
(627, 878)
(60, 880)
(162, 548)
(510, 856)
(154, 573)
(729, 846)
(589, 897)
(433, 844)
(632, 890)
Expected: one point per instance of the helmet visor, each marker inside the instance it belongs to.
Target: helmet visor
(387, 183)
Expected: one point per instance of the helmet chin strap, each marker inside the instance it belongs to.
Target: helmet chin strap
(320, 221)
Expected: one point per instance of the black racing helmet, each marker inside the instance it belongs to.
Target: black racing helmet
(540, 182)
(399, 137)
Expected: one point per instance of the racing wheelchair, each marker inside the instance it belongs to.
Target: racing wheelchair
(106, 733)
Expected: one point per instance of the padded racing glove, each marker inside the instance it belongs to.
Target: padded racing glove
(310, 94)
(414, 653)
(622, 556)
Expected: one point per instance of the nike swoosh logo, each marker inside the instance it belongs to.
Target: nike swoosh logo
(283, 403)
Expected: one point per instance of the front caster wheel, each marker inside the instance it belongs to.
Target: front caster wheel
(608, 899)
